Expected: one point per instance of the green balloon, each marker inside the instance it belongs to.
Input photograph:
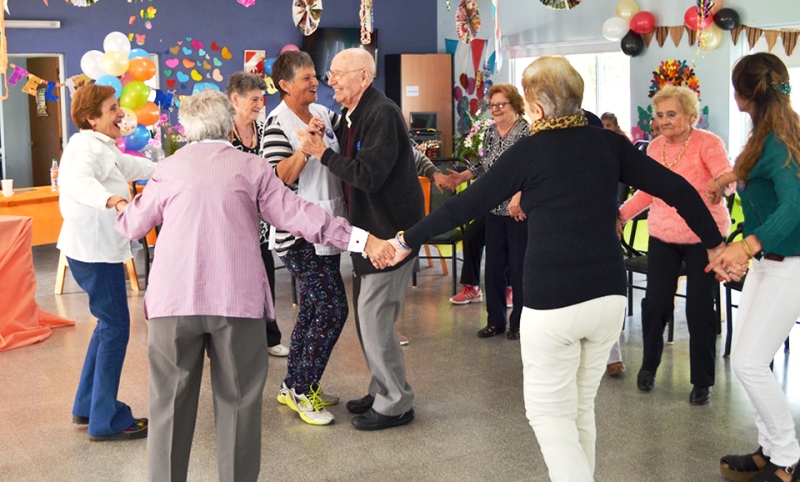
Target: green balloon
(134, 95)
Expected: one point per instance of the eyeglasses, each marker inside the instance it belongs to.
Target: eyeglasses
(337, 75)
(499, 105)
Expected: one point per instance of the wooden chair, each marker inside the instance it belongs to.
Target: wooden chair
(61, 273)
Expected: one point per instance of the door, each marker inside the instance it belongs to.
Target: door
(45, 129)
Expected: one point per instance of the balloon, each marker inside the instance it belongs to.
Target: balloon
(290, 47)
(473, 106)
(125, 79)
(148, 114)
(471, 85)
(615, 28)
(632, 44)
(695, 21)
(128, 123)
(153, 153)
(726, 19)
(117, 41)
(134, 95)
(142, 68)
(137, 139)
(268, 65)
(626, 9)
(121, 144)
(643, 22)
(136, 53)
(710, 38)
(91, 64)
(115, 62)
(112, 81)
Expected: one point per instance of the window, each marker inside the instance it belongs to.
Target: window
(606, 78)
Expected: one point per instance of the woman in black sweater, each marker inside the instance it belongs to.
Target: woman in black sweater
(574, 276)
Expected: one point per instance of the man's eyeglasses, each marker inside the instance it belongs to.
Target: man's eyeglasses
(337, 74)
(499, 105)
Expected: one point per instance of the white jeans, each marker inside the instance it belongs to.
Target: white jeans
(768, 308)
(564, 353)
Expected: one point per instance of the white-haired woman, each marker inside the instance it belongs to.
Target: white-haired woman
(698, 156)
(574, 293)
(208, 289)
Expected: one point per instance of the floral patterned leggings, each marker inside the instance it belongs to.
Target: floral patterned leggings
(323, 311)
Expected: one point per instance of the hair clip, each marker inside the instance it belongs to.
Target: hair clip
(783, 87)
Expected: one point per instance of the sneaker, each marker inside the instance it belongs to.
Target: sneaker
(509, 298)
(470, 294)
(327, 400)
(278, 350)
(137, 430)
(309, 406)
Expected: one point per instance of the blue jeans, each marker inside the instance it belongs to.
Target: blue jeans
(99, 383)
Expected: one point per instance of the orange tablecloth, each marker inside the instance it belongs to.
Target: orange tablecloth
(39, 203)
(22, 322)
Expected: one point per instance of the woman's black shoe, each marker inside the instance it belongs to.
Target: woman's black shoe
(513, 334)
(740, 467)
(645, 380)
(490, 331)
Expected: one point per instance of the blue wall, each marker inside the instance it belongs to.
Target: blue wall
(267, 25)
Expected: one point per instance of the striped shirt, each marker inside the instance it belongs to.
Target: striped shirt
(208, 197)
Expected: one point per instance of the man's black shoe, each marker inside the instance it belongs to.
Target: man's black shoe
(373, 420)
(361, 405)
(645, 380)
(700, 395)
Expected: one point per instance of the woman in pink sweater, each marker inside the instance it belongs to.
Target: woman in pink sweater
(699, 156)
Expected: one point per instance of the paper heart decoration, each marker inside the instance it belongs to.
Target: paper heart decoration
(182, 77)
(188, 63)
(130, 37)
(206, 65)
(167, 72)
(226, 54)
(197, 44)
(462, 79)
(171, 63)
(201, 52)
(140, 39)
(216, 75)
(214, 46)
(196, 76)
(171, 83)
(131, 20)
(180, 42)
(183, 86)
(471, 85)
(208, 57)
(217, 62)
(174, 50)
(148, 25)
(208, 76)
(187, 51)
(188, 39)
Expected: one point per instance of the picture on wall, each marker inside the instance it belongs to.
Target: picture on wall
(254, 61)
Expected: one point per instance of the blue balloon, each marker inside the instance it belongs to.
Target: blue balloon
(268, 65)
(138, 53)
(111, 81)
(137, 139)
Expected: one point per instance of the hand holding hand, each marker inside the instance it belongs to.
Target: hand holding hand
(714, 192)
(310, 142)
(728, 262)
(316, 126)
(380, 252)
(514, 208)
(620, 227)
(400, 253)
(445, 182)
(457, 177)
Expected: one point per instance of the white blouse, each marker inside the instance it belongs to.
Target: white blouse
(92, 170)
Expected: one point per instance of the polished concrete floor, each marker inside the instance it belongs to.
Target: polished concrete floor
(470, 421)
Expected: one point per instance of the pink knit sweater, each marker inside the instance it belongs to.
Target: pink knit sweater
(705, 158)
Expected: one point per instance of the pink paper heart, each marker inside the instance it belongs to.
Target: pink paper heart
(172, 63)
(197, 44)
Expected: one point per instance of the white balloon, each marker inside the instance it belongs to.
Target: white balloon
(117, 41)
(615, 28)
(91, 64)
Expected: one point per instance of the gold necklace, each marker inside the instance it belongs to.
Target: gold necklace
(680, 154)
(253, 139)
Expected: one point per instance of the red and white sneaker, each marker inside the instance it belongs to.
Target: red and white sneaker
(470, 294)
(509, 298)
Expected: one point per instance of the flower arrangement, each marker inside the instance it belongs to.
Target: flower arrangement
(470, 145)
(172, 137)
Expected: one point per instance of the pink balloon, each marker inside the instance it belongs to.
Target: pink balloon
(290, 47)
(457, 93)
(135, 153)
(121, 144)
(125, 79)
(471, 85)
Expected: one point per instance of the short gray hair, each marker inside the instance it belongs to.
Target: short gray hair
(243, 83)
(207, 115)
(553, 83)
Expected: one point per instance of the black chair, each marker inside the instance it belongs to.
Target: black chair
(434, 199)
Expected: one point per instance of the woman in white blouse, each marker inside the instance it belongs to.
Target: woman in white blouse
(93, 180)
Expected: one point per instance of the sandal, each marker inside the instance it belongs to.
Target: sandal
(137, 430)
(740, 468)
(490, 331)
(768, 473)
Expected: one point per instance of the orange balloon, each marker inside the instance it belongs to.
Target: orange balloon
(147, 114)
(141, 68)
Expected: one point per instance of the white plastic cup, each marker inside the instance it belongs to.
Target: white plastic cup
(8, 187)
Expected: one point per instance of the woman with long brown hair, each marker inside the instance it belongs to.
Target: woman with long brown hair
(767, 173)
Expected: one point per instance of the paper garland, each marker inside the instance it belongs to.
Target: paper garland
(306, 15)
(468, 20)
(365, 15)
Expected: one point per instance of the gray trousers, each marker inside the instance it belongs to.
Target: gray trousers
(176, 347)
(378, 299)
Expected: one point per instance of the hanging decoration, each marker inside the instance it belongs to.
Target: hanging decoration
(82, 3)
(247, 3)
(468, 20)
(365, 15)
(4, 52)
(498, 44)
(306, 15)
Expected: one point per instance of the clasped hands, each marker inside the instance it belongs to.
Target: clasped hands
(311, 139)
(383, 253)
(729, 262)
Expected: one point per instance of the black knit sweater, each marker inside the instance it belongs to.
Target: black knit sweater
(569, 179)
(385, 193)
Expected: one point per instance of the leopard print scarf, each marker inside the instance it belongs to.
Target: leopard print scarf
(575, 120)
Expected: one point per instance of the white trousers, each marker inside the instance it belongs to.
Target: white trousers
(768, 308)
(564, 353)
